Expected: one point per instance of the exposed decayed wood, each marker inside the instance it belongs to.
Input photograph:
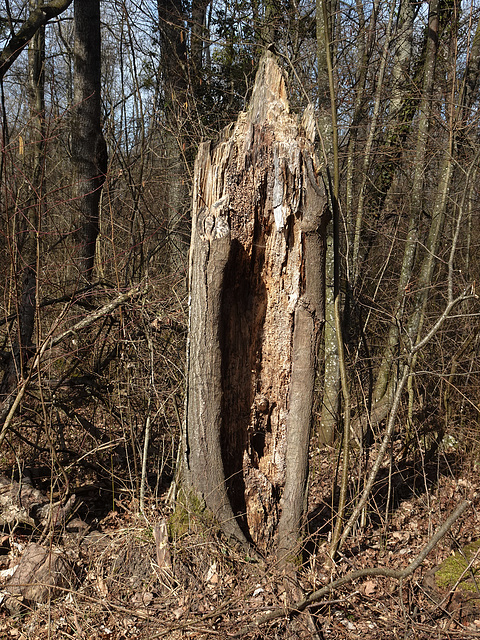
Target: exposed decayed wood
(256, 308)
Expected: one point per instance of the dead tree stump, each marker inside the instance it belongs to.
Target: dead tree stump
(256, 286)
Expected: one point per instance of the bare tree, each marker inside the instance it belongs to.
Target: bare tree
(38, 18)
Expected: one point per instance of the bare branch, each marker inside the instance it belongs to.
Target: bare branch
(32, 24)
(103, 311)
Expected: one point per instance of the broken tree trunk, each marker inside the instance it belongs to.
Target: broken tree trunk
(256, 309)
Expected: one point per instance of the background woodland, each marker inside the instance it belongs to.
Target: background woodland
(103, 112)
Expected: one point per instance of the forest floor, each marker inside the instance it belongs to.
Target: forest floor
(206, 589)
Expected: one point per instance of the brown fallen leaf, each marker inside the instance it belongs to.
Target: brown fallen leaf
(369, 587)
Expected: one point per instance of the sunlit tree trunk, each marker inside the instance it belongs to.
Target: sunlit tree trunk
(331, 376)
(331, 373)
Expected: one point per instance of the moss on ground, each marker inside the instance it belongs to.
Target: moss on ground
(190, 511)
(454, 569)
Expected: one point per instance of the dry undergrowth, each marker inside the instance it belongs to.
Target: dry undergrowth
(212, 590)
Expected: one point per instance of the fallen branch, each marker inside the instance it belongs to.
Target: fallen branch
(301, 605)
(103, 311)
(13, 401)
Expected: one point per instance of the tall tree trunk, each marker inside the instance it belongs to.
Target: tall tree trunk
(89, 149)
(257, 292)
(174, 62)
(331, 378)
(198, 36)
(331, 384)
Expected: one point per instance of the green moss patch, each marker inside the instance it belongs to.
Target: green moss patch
(454, 568)
(190, 514)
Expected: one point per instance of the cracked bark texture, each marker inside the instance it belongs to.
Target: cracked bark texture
(256, 284)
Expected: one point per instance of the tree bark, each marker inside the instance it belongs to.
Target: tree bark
(89, 149)
(257, 306)
(331, 379)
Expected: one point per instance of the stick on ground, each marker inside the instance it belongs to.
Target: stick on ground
(314, 597)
